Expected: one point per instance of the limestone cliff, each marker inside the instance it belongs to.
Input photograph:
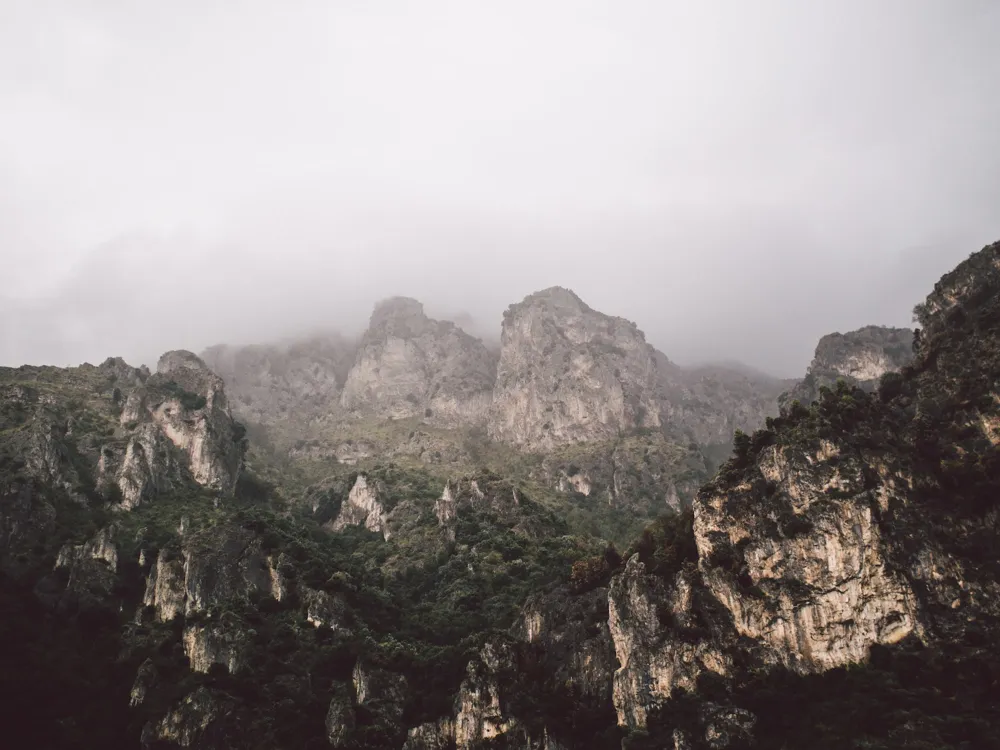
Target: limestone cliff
(117, 430)
(209, 570)
(187, 401)
(363, 507)
(858, 357)
(568, 373)
(408, 365)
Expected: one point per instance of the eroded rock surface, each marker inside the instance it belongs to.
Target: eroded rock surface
(363, 507)
(858, 357)
(568, 373)
(411, 366)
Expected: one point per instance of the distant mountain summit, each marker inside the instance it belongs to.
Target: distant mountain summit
(409, 365)
(568, 373)
(859, 357)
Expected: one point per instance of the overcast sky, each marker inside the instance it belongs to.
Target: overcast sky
(737, 177)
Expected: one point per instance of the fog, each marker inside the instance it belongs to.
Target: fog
(737, 178)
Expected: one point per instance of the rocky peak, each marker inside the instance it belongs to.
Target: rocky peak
(124, 373)
(556, 298)
(970, 282)
(399, 316)
(411, 366)
(187, 402)
(363, 507)
(181, 360)
(865, 354)
(568, 373)
(859, 357)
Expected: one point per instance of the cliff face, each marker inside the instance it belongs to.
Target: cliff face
(411, 366)
(589, 405)
(118, 431)
(859, 357)
(568, 373)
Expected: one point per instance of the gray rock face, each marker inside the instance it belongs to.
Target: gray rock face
(846, 595)
(652, 660)
(859, 357)
(91, 565)
(117, 430)
(187, 401)
(707, 404)
(803, 573)
(186, 724)
(215, 643)
(207, 572)
(479, 496)
(568, 373)
(478, 712)
(363, 507)
(299, 380)
(411, 366)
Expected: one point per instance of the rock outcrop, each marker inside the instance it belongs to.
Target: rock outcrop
(214, 643)
(568, 373)
(187, 723)
(363, 507)
(187, 401)
(858, 357)
(209, 570)
(645, 618)
(824, 588)
(408, 365)
(116, 430)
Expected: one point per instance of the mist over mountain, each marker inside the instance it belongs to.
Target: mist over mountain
(280, 173)
(141, 295)
(549, 375)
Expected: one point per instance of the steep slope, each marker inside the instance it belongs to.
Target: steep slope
(411, 366)
(568, 373)
(859, 358)
(222, 615)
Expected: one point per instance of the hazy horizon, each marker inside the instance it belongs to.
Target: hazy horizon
(738, 180)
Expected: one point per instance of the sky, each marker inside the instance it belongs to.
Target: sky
(737, 178)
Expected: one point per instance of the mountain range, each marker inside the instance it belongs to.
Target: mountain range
(416, 540)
